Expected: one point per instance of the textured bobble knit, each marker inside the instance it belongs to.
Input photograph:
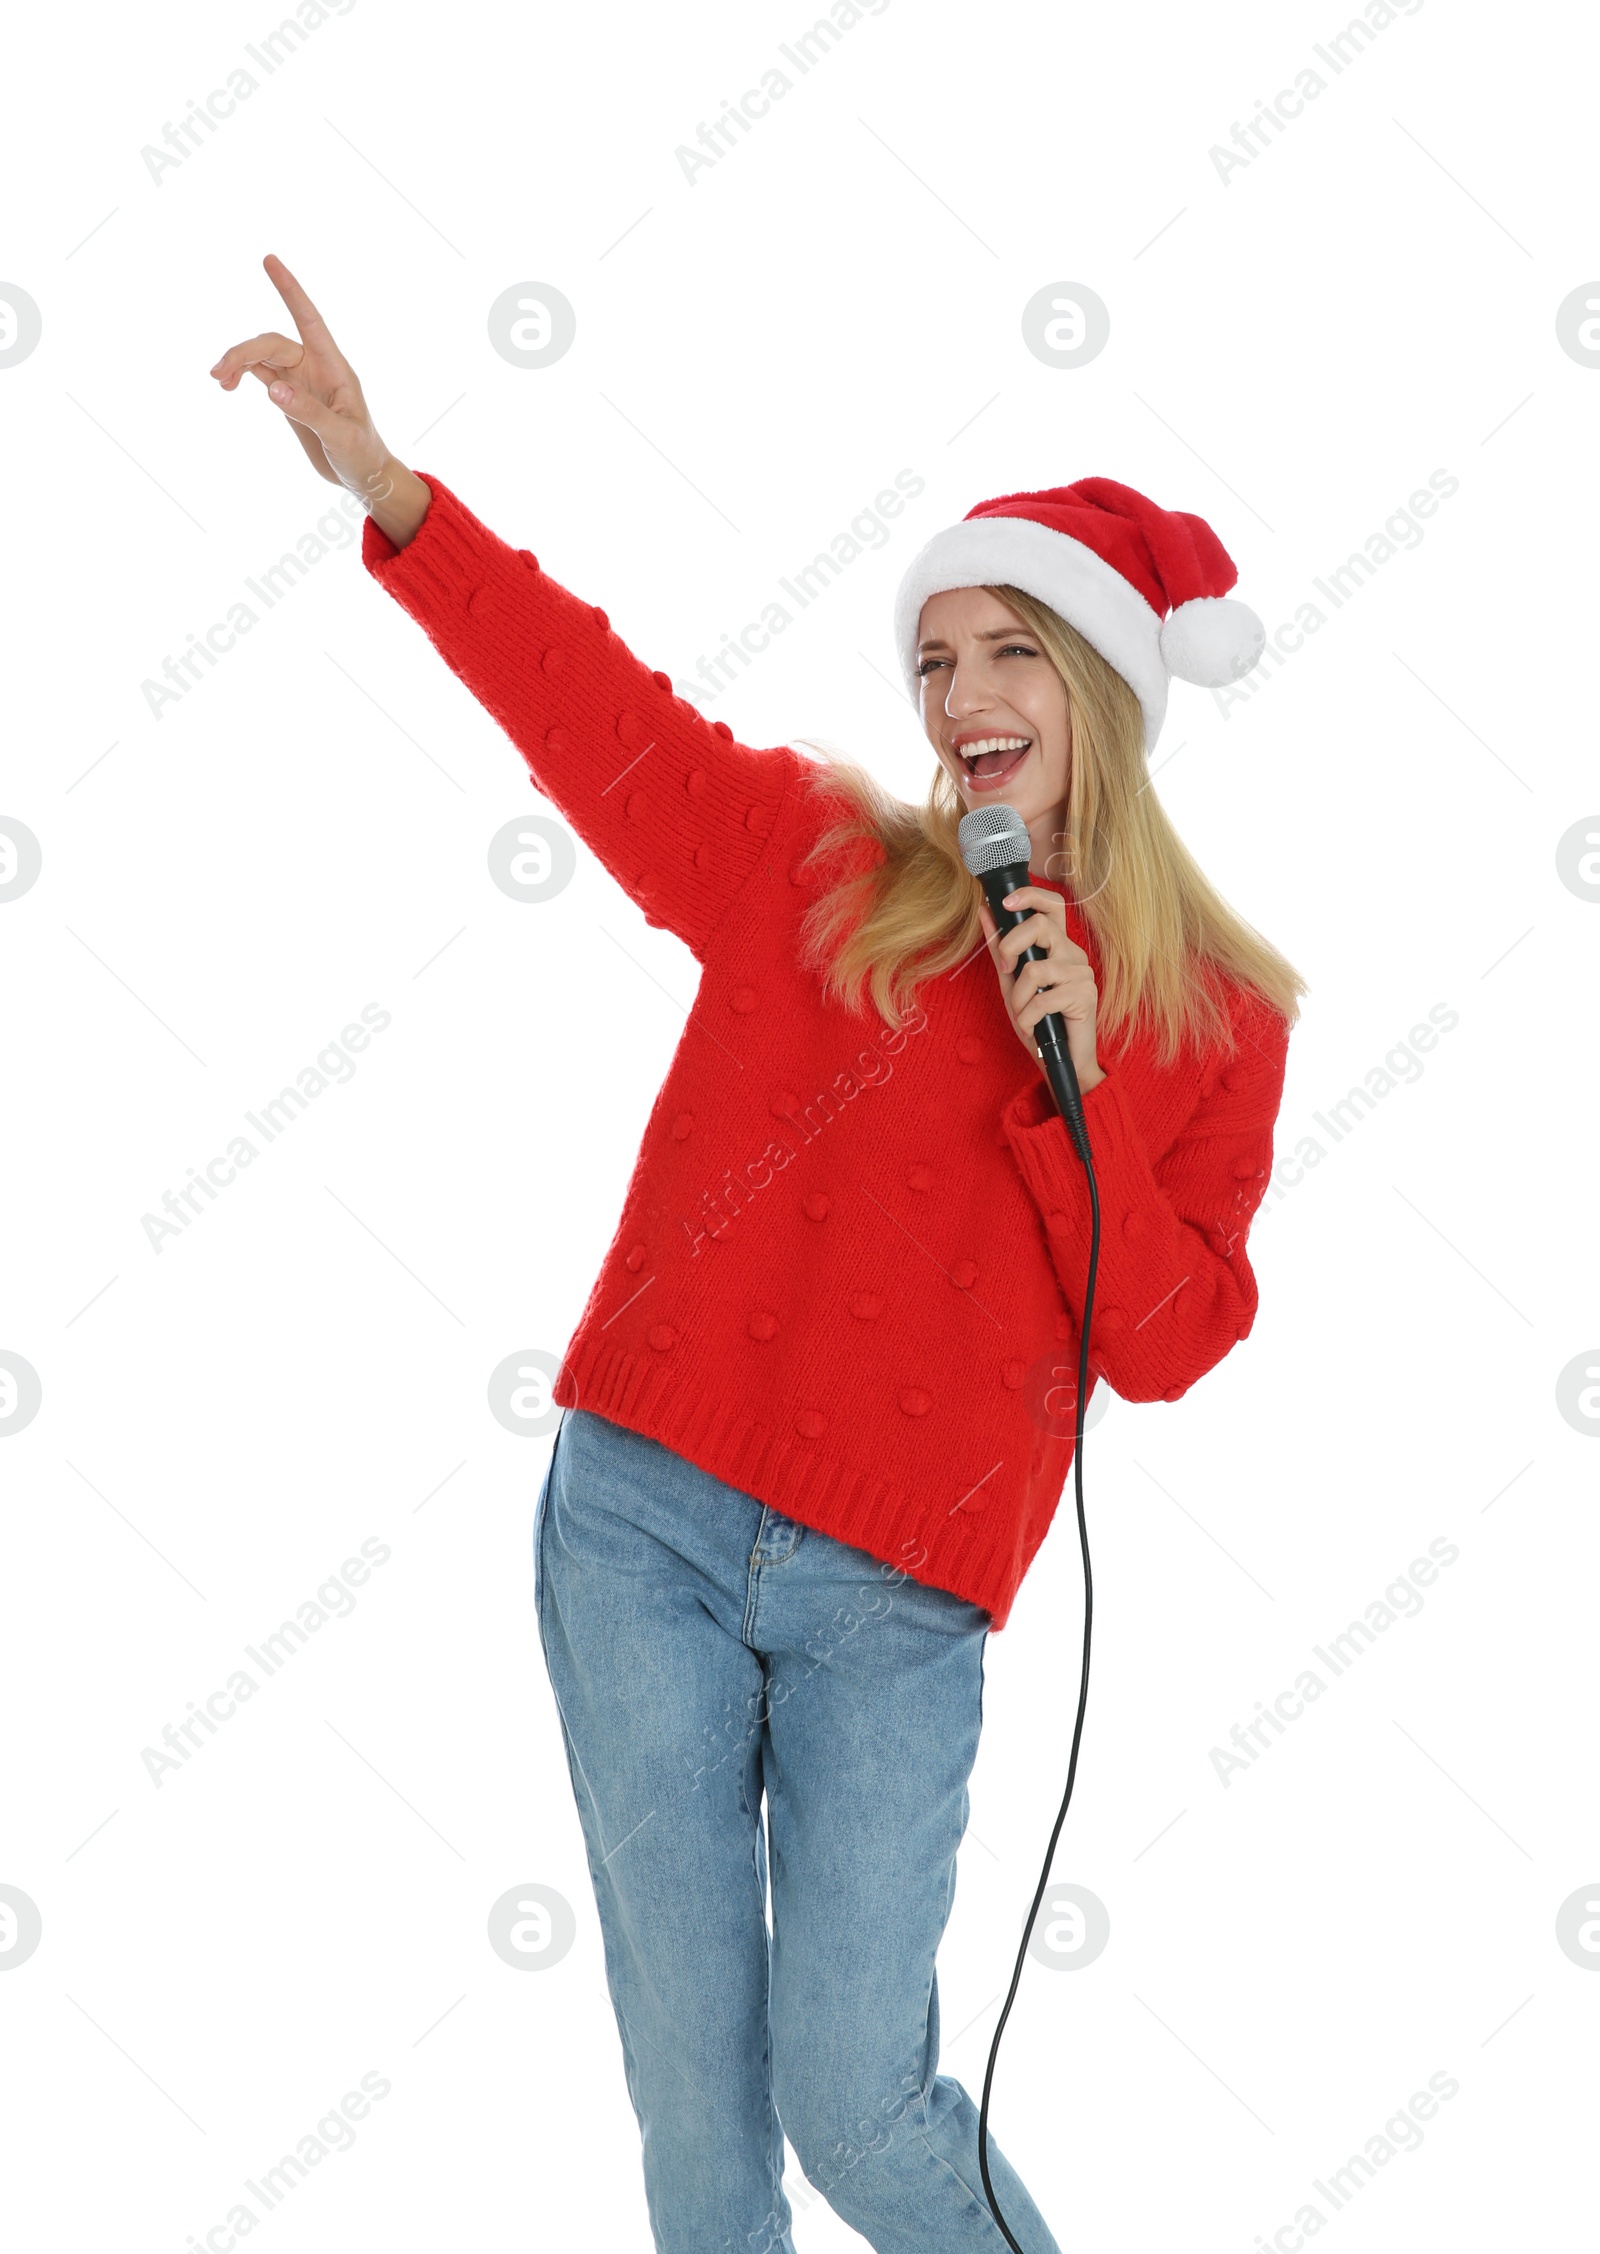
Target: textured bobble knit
(849, 1273)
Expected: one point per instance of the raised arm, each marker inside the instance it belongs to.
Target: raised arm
(673, 806)
(670, 803)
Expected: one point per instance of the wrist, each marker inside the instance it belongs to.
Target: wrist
(1088, 1075)
(396, 499)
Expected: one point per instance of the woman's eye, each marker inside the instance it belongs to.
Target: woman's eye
(1010, 649)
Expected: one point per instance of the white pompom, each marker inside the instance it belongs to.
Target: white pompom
(1212, 640)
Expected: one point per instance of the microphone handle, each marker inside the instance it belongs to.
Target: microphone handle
(1050, 1034)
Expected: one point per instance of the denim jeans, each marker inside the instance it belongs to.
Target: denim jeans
(705, 1651)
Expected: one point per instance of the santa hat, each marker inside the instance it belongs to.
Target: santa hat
(1146, 586)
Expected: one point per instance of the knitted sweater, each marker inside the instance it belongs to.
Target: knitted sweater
(848, 1278)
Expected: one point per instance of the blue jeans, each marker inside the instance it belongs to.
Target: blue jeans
(703, 1651)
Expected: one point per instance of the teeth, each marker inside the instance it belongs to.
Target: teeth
(994, 743)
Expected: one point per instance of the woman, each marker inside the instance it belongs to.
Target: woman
(813, 1430)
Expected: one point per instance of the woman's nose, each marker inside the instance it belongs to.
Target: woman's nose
(964, 695)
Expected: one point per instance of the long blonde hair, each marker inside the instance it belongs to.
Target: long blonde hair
(906, 909)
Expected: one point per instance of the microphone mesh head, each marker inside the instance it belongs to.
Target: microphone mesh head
(993, 837)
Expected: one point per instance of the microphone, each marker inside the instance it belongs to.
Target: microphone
(995, 846)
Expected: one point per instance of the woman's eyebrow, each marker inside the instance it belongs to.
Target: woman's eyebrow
(992, 634)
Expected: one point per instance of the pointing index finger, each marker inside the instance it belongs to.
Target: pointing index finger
(306, 316)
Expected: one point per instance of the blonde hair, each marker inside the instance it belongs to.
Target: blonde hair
(906, 910)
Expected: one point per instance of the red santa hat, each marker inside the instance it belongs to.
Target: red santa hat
(1148, 587)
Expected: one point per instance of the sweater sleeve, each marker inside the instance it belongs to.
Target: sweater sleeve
(672, 806)
(1175, 1289)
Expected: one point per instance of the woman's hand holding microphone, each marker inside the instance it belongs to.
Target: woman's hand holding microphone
(318, 391)
(1061, 984)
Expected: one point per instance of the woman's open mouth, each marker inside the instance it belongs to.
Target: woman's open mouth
(991, 760)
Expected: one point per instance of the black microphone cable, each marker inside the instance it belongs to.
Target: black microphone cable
(996, 847)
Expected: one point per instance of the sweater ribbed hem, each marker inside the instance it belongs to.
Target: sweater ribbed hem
(448, 554)
(980, 1561)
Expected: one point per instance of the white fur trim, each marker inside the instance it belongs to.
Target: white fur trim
(1212, 640)
(1089, 593)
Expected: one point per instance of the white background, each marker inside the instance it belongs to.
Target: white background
(1292, 352)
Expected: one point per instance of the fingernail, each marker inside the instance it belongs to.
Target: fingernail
(280, 392)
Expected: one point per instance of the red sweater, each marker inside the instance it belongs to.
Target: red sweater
(849, 1274)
